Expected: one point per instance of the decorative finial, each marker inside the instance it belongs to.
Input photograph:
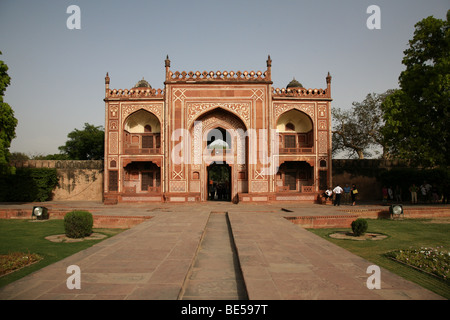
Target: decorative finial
(269, 62)
(107, 78)
(167, 62)
(328, 77)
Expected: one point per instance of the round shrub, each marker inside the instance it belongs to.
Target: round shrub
(359, 227)
(78, 224)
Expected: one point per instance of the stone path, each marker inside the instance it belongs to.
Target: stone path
(162, 258)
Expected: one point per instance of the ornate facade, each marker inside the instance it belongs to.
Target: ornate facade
(217, 135)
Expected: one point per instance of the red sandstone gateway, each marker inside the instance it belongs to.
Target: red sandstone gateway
(227, 136)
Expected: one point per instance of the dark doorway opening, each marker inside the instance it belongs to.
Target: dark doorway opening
(219, 182)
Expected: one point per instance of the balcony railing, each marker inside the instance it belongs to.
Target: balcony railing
(154, 189)
(142, 150)
(300, 150)
(150, 190)
(304, 189)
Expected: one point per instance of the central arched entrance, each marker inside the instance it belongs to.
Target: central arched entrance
(219, 182)
(219, 147)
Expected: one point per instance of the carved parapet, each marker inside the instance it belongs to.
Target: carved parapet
(300, 92)
(136, 93)
(205, 76)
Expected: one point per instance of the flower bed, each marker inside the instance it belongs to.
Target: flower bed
(15, 261)
(435, 261)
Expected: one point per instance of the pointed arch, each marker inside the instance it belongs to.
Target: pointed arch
(137, 121)
(296, 132)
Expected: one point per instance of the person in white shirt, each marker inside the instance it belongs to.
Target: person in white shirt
(328, 194)
(338, 191)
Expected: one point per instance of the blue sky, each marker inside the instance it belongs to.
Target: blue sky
(58, 74)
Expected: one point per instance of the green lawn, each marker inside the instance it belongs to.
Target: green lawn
(28, 236)
(402, 234)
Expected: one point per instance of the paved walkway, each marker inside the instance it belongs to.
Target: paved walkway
(157, 258)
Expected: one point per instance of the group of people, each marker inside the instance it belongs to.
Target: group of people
(428, 193)
(348, 192)
(219, 191)
(391, 194)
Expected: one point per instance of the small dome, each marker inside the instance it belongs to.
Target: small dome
(294, 84)
(142, 84)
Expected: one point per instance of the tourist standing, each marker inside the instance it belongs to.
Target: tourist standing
(384, 191)
(347, 190)
(413, 189)
(434, 193)
(390, 193)
(446, 192)
(398, 193)
(354, 193)
(338, 192)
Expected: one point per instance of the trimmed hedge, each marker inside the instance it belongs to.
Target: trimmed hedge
(359, 227)
(28, 185)
(78, 224)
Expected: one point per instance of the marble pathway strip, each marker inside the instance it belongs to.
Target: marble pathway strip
(216, 273)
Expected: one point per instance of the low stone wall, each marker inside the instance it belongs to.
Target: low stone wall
(78, 179)
(100, 221)
(319, 222)
(83, 179)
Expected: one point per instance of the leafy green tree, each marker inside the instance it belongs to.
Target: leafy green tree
(8, 122)
(347, 134)
(418, 115)
(86, 144)
(358, 131)
(18, 156)
(56, 156)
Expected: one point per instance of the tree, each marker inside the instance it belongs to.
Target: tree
(347, 134)
(56, 156)
(358, 131)
(86, 144)
(8, 122)
(18, 156)
(417, 115)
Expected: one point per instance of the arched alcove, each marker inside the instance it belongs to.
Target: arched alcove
(142, 133)
(296, 134)
(294, 119)
(139, 120)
